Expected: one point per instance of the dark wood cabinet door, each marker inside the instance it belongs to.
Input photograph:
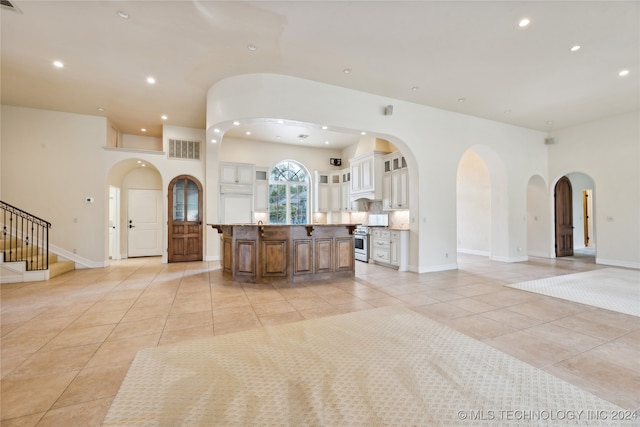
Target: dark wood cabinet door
(185, 219)
(564, 217)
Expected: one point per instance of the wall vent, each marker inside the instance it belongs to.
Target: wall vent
(181, 149)
(6, 4)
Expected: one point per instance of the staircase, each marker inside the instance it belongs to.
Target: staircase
(24, 248)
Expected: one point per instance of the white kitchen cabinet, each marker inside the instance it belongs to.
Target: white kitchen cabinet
(335, 196)
(236, 208)
(387, 192)
(400, 189)
(395, 188)
(346, 203)
(328, 197)
(390, 247)
(261, 190)
(366, 176)
(236, 173)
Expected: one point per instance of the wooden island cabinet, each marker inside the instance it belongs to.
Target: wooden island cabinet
(286, 253)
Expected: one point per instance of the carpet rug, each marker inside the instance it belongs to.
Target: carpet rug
(615, 289)
(380, 367)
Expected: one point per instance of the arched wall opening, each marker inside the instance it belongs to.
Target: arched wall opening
(431, 140)
(473, 201)
(482, 202)
(123, 179)
(584, 211)
(231, 147)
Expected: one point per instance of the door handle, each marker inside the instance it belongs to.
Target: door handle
(131, 226)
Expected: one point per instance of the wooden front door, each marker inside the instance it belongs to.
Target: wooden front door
(185, 219)
(564, 217)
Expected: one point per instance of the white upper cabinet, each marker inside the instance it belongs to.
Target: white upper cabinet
(395, 182)
(236, 173)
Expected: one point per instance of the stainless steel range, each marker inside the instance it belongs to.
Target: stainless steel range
(361, 243)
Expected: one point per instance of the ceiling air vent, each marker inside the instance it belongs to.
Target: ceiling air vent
(6, 4)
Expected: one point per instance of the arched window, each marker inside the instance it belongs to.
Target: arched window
(288, 194)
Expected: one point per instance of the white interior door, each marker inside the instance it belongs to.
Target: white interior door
(145, 223)
(114, 222)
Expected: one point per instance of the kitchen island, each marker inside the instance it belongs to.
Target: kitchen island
(268, 253)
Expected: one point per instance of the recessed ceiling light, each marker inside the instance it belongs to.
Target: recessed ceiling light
(415, 88)
(325, 127)
(461, 99)
(280, 122)
(143, 165)
(100, 109)
(248, 133)
(251, 47)
(213, 141)
(326, 142)
(143, 130)
(236, 123)
(58, 64)
(623, 73)
(363, 133)
(164, 117)
(524, 22)
(347, 71)
(216, 130)
(575, 48)
(122, 14)
(151, 80)
(139, 161)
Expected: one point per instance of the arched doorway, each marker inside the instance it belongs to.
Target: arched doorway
(185, 219)
(473, 201)
(574, 211)
(563, 208)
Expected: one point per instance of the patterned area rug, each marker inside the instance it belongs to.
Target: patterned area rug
(615, 289)
(381, 367)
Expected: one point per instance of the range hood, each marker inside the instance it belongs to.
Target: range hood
(366, 176)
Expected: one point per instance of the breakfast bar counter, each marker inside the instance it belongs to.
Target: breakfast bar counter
(267, 253)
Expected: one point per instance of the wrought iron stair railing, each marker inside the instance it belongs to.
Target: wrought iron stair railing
(25, 237)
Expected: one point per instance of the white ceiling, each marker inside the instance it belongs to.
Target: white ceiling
(470, 57)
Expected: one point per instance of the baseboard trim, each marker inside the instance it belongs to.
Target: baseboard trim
(473, 252)
(433, 268)
(510, 259)
(617, 263)
(81, 262)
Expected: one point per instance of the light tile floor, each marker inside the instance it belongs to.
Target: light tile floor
(66, 344)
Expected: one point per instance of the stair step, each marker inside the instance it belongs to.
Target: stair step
(60, 267)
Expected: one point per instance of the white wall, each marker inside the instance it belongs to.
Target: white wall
(538, 217)
(608, 151)
(51, 161)
(432, 141)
